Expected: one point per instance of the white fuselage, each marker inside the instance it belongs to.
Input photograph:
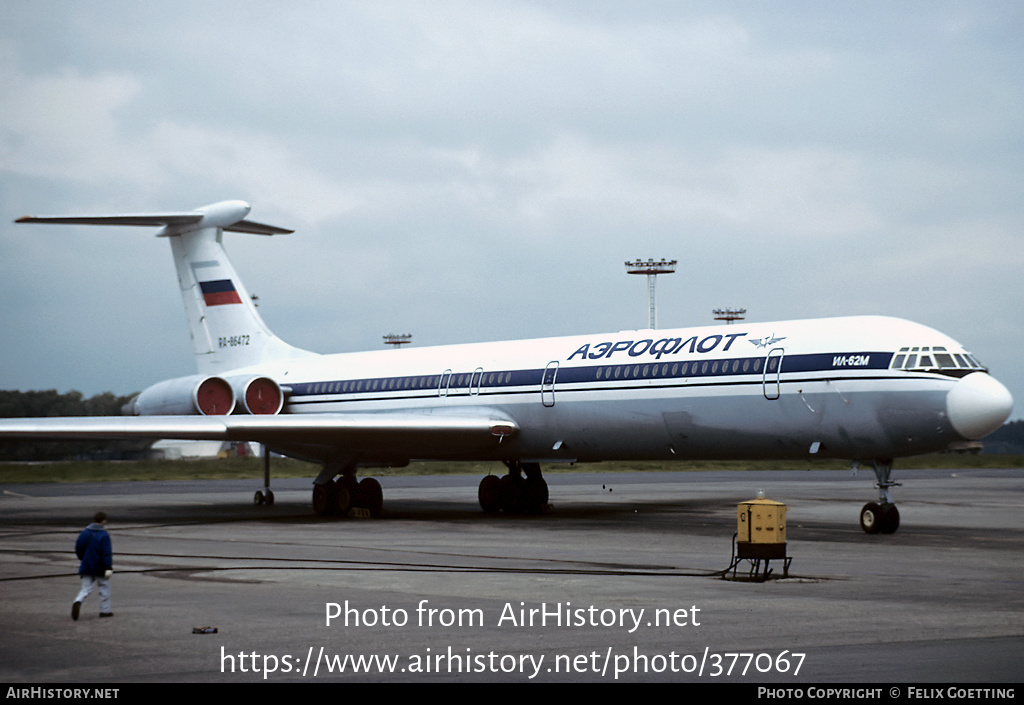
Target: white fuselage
(824, 388)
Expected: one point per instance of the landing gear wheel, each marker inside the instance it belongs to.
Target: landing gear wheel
(890, 519)
(871, 518)
(269, 498)
(257, 498)
(536, 494)
(342, 498)
(371, 496)
(513, 494)
(325, 502)
(489, 494)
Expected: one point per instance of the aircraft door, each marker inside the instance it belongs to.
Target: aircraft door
(772, 372)
(547, 384)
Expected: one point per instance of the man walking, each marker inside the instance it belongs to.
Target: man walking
(94, 550)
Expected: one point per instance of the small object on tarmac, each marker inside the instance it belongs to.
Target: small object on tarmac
(760, 536)
(204, 630)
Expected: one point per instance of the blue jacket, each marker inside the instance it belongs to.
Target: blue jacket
(93, 548)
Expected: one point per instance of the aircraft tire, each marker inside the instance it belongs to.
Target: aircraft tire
(890, 520)
(871, 518)
(269, 498)
(342, 498)
(324, 501)
(536, 494)
(489, 494)
(257, 498)
(513, 494)
(370, 496)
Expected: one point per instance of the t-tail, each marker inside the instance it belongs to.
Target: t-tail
(227, 331)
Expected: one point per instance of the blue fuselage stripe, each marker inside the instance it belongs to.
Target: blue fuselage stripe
(743, 370)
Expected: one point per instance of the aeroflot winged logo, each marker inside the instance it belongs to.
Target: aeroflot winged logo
(765, 342)
(219, 292)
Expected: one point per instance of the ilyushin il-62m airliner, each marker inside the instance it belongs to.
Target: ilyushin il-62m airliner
(864, 388)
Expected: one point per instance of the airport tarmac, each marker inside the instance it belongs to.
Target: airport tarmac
(619, 581)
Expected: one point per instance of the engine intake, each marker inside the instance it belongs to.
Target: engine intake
(258, 395)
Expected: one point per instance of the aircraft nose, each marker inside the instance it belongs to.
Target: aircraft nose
(977, 405)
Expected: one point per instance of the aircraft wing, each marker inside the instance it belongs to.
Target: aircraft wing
(410, 434)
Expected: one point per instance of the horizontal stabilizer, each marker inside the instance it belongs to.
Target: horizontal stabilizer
(254, 228)
(140, 219)
(227, 215)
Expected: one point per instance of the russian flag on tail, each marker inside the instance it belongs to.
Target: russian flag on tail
(219, 292)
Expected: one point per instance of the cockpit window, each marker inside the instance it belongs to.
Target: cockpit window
(935, 358)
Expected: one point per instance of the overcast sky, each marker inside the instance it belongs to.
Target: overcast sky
(470, 171)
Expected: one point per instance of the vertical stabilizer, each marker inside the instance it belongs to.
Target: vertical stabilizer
(227, 332)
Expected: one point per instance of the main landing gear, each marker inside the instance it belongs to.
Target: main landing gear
(882, 516)
(337, 497)
(512, 493)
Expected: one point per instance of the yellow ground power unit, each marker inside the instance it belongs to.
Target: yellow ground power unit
(761, 534)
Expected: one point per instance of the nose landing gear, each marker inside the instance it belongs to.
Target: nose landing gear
(878, 518)
(882, 516)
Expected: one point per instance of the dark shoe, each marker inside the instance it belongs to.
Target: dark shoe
(106, 614)
(74, 610)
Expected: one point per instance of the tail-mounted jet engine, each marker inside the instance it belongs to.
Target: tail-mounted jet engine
(198, 394)
(258, 395)
(209, 396)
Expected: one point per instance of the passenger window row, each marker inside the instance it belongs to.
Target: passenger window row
(685, 369)
(402, 383)
(454, 383)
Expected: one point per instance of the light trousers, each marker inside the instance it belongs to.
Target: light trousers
(91, 581)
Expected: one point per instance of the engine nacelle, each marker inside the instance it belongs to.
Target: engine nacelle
(257, 395)
(198, 394)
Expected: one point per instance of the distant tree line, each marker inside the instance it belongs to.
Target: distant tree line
(1008, 440)
(35, 404)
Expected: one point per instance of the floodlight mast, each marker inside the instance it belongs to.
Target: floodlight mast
(729, 314)
(397, 339)
(651, 269)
